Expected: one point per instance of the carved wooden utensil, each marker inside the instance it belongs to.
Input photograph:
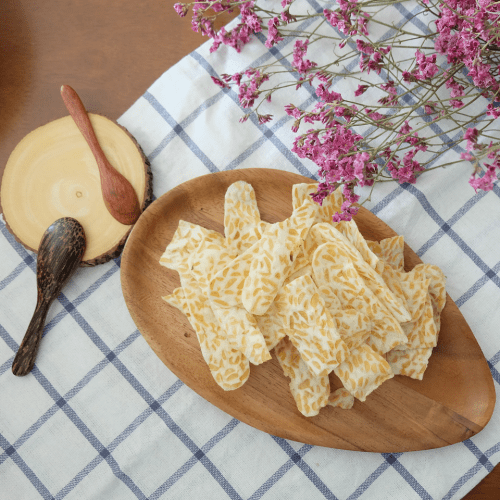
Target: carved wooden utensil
(119, 195)
(59, 254)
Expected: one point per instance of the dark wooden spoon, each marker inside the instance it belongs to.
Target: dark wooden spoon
(59, 254)
(119, 195)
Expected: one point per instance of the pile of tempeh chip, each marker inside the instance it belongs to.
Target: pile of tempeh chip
(315, 291)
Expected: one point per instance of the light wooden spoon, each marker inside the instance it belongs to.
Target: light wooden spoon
(119, 195)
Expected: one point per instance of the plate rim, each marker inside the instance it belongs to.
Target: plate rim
(245, 173)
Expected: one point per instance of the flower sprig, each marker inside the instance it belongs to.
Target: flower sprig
(432, 83)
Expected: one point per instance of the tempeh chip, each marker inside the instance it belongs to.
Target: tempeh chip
(410, 362)
(229, 368)
(341, 398)
(242, 224)
(241, 328)
(363, 371)
(271, 264)
(310, 391)
(352, 233)
(321, 233)
(310, 326)
(271, 326)
(353, 326)
(422, 332)
(301, 194)
(390, 250)
(314, 291)
(185, 240)
(336, 271)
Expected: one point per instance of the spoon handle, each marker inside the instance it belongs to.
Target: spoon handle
(79, 114)
(26, 354)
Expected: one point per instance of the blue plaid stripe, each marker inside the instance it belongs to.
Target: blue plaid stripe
(11, 452)
(392, 459)
(179, 130)
(369, 481)
(296, 457)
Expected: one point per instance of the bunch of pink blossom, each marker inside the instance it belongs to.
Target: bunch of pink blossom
(390, 134)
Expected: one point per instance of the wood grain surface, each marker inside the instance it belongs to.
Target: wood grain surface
(43, 45)
(454, 401)
(52, 173)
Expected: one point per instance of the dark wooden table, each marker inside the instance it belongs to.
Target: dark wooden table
(110, 53)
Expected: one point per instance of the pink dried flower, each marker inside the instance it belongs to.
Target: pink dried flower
(181, 9)
(237, 78)
(456, 104)
(492, 111)
(273, 35)
(430, 108)
(409, 171)
(326, 96)
(264, 118)
(287, 18)
(364, 47)
(291, 110)
(250, 18)
(487, 181)
(426, 66)
(374, 115)
(471, 136)
(220, 83)
(389, 87)
(299, 51)
(360, 90)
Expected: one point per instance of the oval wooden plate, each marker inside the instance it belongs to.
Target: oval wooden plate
(453, 402)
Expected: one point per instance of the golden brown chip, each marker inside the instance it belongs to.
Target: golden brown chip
(340, 248)
(353, 326)
(350, 230)
(363, 371)
(271, 326)
(243, 332)
(242, 224)
(303, 271)
(185, 240)
(301, 194)
(437, 285)
(341, 398)
(410, 362)
(422, 332)
(241, 328)
(332, 302)
(390, 250)
(310, 326)
(229, 368)
(271, 263)
(335, 270)
(416, 293)
(310, 392)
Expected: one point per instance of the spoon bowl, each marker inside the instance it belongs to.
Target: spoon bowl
(60, 252)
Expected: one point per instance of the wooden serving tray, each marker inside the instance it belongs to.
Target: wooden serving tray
(454, 401)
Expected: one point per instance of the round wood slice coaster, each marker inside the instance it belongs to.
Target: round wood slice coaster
(52, 174)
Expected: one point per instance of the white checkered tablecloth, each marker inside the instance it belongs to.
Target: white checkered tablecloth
(101, 417)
